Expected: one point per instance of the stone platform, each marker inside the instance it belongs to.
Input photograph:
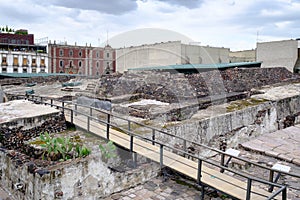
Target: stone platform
(282, 144)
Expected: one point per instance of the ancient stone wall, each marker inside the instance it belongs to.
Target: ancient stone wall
(39, 79)
(236, 126)
(87, 178)
(176, 87)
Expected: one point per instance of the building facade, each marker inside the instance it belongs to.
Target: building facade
(284, 53)
(83, 60)
(19, 54)
(168, 53)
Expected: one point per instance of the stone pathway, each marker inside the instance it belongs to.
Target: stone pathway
(157, 189)
(283, 144)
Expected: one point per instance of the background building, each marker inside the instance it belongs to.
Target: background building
(19, 54)
(284, 53)
(242, 56)
(168, 53)
(84, 60)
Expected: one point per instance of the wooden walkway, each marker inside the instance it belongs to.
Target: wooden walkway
(210, 177)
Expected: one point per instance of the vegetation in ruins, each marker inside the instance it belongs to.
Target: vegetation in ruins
(62, 148)
(108, 150)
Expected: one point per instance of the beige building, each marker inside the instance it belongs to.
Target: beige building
(242, 56)
(284, 53)
(168, 53)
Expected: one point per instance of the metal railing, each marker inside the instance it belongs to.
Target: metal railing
(281, 189)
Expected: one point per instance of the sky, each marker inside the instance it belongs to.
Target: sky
(234, 24)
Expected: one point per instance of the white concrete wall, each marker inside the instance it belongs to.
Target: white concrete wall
(168, 53)
(278, 54)
(242, 56)
(159, 54)
(204, 54)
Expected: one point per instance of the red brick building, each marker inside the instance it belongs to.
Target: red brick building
(85, 60)
(8, 38)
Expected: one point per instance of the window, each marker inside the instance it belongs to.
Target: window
(25, 70)
(70, 63)
(97, 55)
(80, 53)
(97, 64)
(15, 69)
(107, 64)
(107, 55)
(16, 61)
(42, 70)
(97, 73)
(4, 61)
(71, 53)
(42, 62)
(24, 61)
(61, 52)
(4, 70)
(33, 62)
(79, 63)
(61, 63)
(33, 70)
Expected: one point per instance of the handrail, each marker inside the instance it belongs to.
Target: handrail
(181, 138)
(162, 145)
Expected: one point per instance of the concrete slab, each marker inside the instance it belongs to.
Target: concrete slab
(17, 109)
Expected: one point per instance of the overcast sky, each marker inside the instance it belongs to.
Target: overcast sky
(235, 24)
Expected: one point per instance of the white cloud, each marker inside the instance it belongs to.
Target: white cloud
(228, 23)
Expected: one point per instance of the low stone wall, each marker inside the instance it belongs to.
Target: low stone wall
(87, 178)
(237, 126)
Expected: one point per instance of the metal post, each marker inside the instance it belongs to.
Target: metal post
(134, 155)
(107, 126)
(128, 125)
(75, 109)
(72, 116)
(88, 123)
(153, 137)
(41, 100)
(161, 156)
(51, 102)
(249, 182)
(131, 142)
(284, 196)
(63, 105)
(271, 180)
(222, 162)
(184, 147)
(199, 171)
(91, 112)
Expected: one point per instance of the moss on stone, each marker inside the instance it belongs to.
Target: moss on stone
(244, 103)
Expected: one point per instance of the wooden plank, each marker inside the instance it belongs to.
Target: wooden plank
(211, 177)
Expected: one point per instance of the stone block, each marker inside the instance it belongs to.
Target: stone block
(285, 157)
(272, 153)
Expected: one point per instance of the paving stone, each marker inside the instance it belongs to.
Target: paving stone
(296, 161)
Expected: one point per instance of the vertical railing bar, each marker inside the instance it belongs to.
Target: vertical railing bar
(75, 109)
(107, 126)
(88, 123)
(71, 116)
(284, 196)
(199, 171)
(91, 112)
(184, 147)
(153, 136)
(271, 175)
(161, 156)
(249, 182)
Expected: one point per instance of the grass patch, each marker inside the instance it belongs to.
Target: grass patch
(241, 104)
